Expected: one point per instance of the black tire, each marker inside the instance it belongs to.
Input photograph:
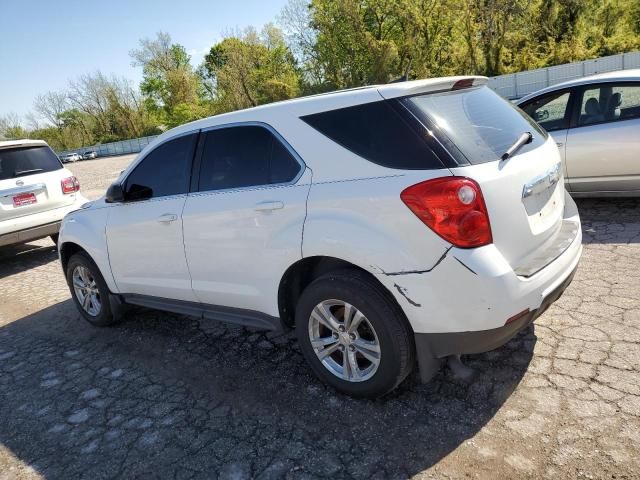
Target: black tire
(54, 238)
(105, 316)
(395, 337)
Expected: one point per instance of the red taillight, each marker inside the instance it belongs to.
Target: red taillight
(70, 185)
(453, 207)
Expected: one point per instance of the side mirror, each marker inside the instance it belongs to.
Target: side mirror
(115, 194)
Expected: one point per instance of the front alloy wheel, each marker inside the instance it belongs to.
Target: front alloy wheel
(86, 290)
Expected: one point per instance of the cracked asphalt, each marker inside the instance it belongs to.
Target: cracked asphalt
(168, 396)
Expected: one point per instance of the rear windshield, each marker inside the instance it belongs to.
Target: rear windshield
(477, 122)
(20, 162)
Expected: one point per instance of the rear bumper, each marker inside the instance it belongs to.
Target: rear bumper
(37, 225)
(430, 347)
(30, 234)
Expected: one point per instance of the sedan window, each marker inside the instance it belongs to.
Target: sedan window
(550, 111)
(610, 103)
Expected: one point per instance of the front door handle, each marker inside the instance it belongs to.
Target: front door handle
(168, 218)
(559, 144)
(268, 206)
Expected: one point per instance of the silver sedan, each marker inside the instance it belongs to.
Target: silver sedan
(596, 123)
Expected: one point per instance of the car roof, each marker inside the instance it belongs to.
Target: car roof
(328, 101)
(618, 75)
(21, 143)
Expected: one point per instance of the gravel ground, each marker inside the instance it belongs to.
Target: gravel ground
(168, 396)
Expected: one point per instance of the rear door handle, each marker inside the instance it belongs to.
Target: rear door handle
(168, 218)
(559, 144)
(268, 206)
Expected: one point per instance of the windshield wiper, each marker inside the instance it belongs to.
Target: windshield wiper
(27, 172)
(523, 139)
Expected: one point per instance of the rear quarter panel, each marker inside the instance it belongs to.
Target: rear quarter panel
(364, 221)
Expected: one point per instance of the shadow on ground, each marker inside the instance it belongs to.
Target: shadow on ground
(25, 256)
(167, 396)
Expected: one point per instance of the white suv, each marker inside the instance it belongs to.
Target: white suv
(36, 192)
(416, 220)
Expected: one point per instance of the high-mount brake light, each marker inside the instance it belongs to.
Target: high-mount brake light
(453, 207)
(464, 83)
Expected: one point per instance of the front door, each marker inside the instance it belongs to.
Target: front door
(144, 233)
(603, 150)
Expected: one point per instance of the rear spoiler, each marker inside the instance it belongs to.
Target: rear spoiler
(415, 87)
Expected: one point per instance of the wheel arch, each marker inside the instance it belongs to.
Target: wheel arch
(300, 274)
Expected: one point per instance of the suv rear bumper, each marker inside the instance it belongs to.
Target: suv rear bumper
(431, 347)
(30, 234)
(37, 225)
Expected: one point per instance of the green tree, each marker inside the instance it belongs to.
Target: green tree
(251, 69)
(169, 81)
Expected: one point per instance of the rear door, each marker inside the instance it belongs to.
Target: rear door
(243, 223)
(144, 233)
(525, 193)
(603, 150)
(30, 181)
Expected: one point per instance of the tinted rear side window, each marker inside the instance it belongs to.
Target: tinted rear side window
(477, 121)
(375, 131)
(21, 162)
(244, 156)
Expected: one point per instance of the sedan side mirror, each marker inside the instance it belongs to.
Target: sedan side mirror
(115, 194)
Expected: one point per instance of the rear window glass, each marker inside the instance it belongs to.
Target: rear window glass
(376, 132)
(478, 122)
(20, 162)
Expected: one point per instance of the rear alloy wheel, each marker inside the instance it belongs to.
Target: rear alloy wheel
(344, 340)
(353, 335)
(89, 290)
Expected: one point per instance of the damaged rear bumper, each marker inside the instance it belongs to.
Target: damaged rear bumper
(432, 347)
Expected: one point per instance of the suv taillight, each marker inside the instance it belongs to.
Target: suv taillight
(70, 185)
(453, 207)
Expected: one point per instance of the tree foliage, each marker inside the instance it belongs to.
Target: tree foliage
(326, 45)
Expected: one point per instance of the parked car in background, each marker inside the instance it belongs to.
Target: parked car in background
(595, 122)
(36, 192)
(434, 214)
(89, 155)
(70, 157)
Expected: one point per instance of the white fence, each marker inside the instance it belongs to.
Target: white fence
(517, 85)
(122, 147)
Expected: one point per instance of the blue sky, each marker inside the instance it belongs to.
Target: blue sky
(44, 43)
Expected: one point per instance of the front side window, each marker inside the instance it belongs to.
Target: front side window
(244, 156)
(609, 103)
(21, 162)
(164, 171)
(550, 111)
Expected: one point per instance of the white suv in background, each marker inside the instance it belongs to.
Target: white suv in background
(36, 192)
(417, 220)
